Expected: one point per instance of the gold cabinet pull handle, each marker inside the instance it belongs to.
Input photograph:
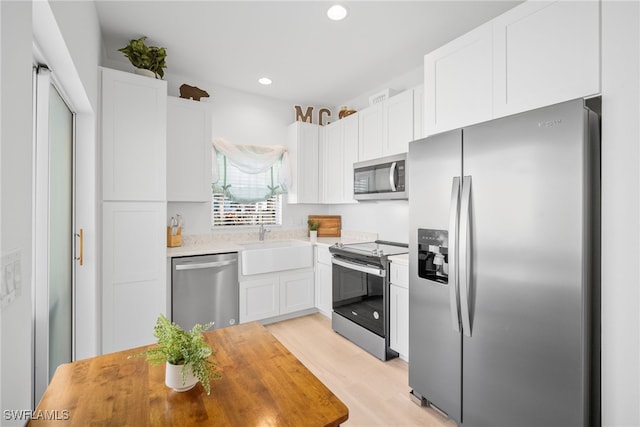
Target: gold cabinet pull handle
(80, 257)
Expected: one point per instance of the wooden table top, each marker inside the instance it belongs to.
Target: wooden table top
(262, 384)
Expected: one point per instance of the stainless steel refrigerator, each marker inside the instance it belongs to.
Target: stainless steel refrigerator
(504, 269)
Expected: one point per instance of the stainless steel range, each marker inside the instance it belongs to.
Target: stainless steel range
(361, 294)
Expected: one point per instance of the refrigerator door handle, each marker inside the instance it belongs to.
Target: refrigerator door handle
(464, 254)
(454, 213)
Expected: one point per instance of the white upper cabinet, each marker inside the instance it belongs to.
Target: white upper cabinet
(418, 112)
(371, 139)
(545, 53)
(303, 143)
(398, 123)
(189, 133)
(386, 128)
(458, 80)
(339, 153)
(350, 140)
(538, 53)
(332, 170)
(134, 114)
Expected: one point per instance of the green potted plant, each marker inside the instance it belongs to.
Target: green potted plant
(186, 353)
(313, 229)
(143, 57)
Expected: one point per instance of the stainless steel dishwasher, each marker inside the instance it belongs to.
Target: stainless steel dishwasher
(205, 288)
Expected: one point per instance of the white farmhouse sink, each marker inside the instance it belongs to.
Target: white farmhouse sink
(270, 256)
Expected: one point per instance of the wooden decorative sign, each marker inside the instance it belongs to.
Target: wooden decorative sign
(307, 116)
(193, 92)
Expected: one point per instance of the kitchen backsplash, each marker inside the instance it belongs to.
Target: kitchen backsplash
(274, 234)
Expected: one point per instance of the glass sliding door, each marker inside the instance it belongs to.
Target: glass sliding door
(60, 230)
(53, 232)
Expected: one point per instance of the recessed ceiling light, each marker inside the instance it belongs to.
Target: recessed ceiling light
(264, 81)
(336, 12)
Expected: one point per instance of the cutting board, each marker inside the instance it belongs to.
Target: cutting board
(330, 225)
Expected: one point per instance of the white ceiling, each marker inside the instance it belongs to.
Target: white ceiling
(309, 58)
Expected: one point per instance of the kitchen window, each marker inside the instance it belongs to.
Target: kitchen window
(248, 183)
(227, 212)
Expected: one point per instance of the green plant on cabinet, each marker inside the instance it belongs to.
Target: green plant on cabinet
(145, 57)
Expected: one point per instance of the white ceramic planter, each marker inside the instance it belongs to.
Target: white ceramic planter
(173, 378)
(143, 72)
(313, 236)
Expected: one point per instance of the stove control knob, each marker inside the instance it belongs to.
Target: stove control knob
(339, 245)
(374, 252)
(380, 252)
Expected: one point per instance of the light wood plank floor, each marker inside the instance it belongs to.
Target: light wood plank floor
(376, 392)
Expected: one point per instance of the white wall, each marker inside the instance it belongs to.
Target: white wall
(16, 200)
(79, 27)
(408, 80)
(620, 213)
(390, 219)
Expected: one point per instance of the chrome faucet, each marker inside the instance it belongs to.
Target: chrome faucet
(261, 232)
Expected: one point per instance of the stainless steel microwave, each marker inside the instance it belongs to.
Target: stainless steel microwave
(379, 179)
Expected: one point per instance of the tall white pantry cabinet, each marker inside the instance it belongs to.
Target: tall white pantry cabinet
(134, 203)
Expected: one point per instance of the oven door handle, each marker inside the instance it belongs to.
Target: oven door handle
(380, 272)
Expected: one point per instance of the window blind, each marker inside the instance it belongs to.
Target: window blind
(227, 212)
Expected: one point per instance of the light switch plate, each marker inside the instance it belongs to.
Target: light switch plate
(11, 277)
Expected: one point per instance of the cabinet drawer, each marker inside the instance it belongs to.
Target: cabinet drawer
(399, 274)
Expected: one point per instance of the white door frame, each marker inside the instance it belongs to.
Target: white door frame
(50, 44)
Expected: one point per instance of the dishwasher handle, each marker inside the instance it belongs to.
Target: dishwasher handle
(202, 265)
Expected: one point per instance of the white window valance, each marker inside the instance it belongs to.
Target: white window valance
(249, 173)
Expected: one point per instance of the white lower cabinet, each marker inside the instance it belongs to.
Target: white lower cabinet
(259, 299)
(296, 292)
(324, 275)
(399, 310)
(133, 274)
(272, 295)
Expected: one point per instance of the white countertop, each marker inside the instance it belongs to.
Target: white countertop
(209, 245)
(204, 249)
(402, 259)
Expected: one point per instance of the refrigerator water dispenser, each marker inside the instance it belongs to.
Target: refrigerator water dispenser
(433, 255)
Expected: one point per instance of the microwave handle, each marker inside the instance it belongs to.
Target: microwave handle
(392, 176)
